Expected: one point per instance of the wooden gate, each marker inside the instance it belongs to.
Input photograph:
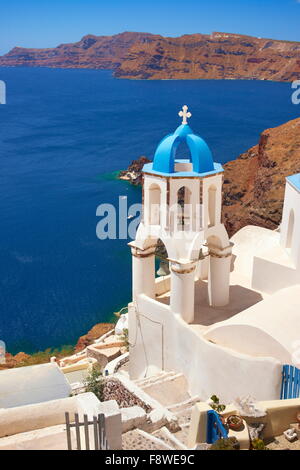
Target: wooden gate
(290, 386)
(93, 437)
(215, 428)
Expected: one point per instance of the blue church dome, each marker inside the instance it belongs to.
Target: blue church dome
(165, 158)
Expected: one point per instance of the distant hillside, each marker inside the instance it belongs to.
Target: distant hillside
(148, 56)
(254, 183)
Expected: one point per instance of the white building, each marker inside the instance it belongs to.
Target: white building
(34, 384)
(227, 315)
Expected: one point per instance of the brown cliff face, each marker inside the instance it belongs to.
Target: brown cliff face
(254, 183)
(218, 56)
(194, 56)
(98, 330)
(98, 52)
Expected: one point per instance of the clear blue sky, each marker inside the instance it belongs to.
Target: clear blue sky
(45, 23)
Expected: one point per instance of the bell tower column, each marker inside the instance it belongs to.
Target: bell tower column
(219, 276)
(183, 290)
(143, 272)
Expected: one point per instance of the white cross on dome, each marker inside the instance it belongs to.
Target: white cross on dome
(185, 114)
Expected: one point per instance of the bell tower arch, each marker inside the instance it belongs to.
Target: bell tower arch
(182, 199)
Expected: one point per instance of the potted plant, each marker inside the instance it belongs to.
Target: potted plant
(231, 443)
(258, 444)
(215, 404)
(234, 422)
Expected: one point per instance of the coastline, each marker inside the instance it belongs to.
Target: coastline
(152, 79)
(22, 359)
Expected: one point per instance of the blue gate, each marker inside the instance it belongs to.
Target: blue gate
(215, 428)
(290, 386)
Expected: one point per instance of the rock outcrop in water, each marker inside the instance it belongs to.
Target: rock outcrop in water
(149, 56)
(133, 174)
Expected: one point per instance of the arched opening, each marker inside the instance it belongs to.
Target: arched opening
(154, 204)
(290, 231)
(184, 199)
(162, 273)
(161, 259)
(212, 192)
(183, 159)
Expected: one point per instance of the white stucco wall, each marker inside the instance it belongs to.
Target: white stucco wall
(259, 257)
(40, 415)
(270, 276)
(249, 242)
(162, 340)
(268, 328)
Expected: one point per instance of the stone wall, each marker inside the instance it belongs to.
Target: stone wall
(115, 390)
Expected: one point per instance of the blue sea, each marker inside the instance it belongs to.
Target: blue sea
(63, 134)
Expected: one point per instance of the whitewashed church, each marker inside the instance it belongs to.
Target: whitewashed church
(224, 312)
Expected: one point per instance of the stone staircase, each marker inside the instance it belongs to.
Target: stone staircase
(171, 391)
(168, 388)
(183, 412)
(154, 378)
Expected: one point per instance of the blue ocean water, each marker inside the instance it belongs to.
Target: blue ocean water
(62, 134)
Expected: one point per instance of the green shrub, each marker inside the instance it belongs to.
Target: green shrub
(125, 339)
(94, 383)
(258, 444)
(216, 405)
(42, 357)
(230, 443)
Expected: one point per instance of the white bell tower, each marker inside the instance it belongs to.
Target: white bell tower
(182, 200)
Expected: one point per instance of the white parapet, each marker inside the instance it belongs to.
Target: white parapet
(23, 419)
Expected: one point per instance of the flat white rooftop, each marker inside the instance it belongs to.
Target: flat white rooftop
(33, 384)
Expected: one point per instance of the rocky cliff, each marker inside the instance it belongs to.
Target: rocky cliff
(194, 56)
(254, 183)
(96, 52)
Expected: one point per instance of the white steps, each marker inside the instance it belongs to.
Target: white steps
(153, 379)
(170, 389)
(186, 404)
(167, 388)
(170, 439)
